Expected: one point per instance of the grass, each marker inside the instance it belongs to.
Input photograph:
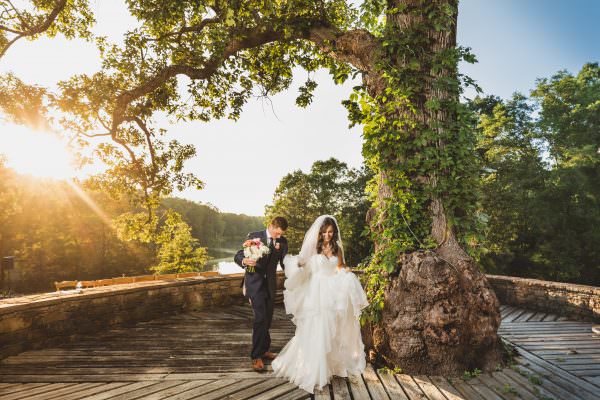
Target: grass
(509, 389)
(386, 370)
(471, 374)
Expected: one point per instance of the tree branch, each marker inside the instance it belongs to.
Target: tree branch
(32, 30)
(93, 135)
(142, 125)
(357, 47)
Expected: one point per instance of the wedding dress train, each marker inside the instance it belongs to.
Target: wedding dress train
(326, 303)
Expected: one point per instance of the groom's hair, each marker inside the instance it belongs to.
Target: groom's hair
(280, 222)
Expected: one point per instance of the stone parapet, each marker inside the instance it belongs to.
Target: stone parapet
(566, 299)
(43, 320)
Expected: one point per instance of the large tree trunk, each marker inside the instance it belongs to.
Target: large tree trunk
(440, 314)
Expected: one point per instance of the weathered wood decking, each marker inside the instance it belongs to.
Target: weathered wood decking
(204, 355)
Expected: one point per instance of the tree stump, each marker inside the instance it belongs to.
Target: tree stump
(440, 317)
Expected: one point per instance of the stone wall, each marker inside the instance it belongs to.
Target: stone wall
(570, 300)
(43, 320)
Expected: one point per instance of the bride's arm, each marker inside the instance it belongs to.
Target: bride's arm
(340, 256)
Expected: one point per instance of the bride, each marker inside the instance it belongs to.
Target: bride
(325, 300)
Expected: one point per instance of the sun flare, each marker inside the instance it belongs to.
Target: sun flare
(36, 153)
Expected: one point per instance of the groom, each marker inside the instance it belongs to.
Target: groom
(259, 287)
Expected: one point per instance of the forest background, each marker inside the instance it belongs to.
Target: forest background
(539, 211)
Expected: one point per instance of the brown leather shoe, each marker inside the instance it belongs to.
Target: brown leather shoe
(269, 356)
(258, 365)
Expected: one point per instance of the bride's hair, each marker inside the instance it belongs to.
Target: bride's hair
(334, 240)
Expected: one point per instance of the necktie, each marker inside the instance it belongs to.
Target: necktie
(270, 242)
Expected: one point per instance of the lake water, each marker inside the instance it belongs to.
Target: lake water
(226, 265)
(230, 267)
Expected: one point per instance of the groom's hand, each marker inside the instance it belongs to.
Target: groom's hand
(248, 262)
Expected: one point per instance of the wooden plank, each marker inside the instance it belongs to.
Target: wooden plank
(550, 317)
(540, 325)
(358, 388)
(410, 387)
(125, 371)
(17, 387)
(594, 380)
(112, 392)
(255, 390)
(583, 373)
(392, 386)
(510, 317)
(548, 330)
(506, 311)
(195, 392)
(547, 388)
(126, 378)
(276, 392)
(296, 394)
(147, 390)
(564, 336)
(561, 378)
(446, 388)
(65, 391)
(483, 390)
(525, 316)
(5, 387)
(594, 366)
(543, 324)
(374, 385)
(530, 357)
(85, 393)
(504, 387)
(538, 316)
(466, 390)
(176, 390)
(236, 387)
(557, 346)
(31, 391)
(525, 329)
(578, 334)
(430, 390)
(571, 359)
(571, 352)
(558, 339)
(323, 394)
(340, 388)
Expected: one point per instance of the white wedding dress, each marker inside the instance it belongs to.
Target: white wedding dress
(326, 304)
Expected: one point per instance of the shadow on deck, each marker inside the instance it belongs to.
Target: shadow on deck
(204, 355)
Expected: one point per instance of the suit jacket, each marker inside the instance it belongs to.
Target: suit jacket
(263, 281)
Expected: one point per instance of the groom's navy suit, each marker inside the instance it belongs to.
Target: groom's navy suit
(260, 288)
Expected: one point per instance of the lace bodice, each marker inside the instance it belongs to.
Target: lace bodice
(323, 265)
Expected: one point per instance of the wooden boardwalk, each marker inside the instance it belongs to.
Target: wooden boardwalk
(204, 355)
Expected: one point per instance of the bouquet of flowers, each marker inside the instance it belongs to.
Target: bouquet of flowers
(254, 249)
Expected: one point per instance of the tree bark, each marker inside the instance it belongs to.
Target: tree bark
(440, 315)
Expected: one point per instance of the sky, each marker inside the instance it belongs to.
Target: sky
(515, 42)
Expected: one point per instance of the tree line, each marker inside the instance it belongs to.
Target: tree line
(540, 179)
(60, 231)
(538, 157)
